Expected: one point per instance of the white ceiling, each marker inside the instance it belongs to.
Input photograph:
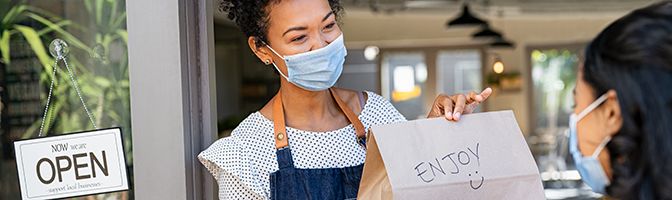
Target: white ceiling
(485, 8)
(493, 7)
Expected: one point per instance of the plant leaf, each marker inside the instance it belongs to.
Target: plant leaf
(123, 34)
(113, 13)
(117, 22)
(99, 11)
(87, 5)
(49, 28)
(67, 36)
(32, 130)
(13, 14)
(102, 81)
(35, 42)
(5, 9)
(4, 46)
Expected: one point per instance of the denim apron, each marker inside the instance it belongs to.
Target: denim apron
(329, 183)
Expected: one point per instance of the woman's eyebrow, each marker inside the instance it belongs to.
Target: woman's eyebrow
(301, 28)
(327, 16)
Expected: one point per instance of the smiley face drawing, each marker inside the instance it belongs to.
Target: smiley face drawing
(471, 182)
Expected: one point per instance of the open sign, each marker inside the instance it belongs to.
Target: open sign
(72, 165)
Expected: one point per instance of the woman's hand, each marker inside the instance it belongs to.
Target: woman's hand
(452, 107)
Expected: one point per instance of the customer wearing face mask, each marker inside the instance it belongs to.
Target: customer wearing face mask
(621, 129)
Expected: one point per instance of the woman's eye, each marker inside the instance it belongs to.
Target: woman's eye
(329, 26)
(298, 38)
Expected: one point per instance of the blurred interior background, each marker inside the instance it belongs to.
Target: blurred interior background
(409, 51)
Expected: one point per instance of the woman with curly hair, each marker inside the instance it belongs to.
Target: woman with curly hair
(308, 141)
(624, 103)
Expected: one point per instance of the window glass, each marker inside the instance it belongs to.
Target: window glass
(96, 38)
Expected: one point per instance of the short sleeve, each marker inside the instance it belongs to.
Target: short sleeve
(224, 153)
(384, 108)
(230, 187)
(225, 161)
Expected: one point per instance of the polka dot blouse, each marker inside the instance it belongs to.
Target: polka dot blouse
(243, 162)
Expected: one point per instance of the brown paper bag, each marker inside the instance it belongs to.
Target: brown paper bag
(483, 156)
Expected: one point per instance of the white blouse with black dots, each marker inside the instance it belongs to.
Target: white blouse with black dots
(242, 162)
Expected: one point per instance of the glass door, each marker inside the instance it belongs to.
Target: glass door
(459, 72)
(404, 78)
(91, 37)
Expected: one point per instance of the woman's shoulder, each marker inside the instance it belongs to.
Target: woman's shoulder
(376, 98)
(224, 155)
(378, 110)
(245, 156)
(355, 98)
(251, 139)
(252, 127)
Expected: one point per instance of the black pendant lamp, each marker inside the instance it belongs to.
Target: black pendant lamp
(466, 19)
(501, 42)
(486, 32)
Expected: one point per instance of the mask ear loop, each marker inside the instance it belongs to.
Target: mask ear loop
(591, 107)
(585, 112)
(273, 62)
(601, 146)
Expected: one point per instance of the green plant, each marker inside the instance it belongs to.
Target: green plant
(11, 26)
(98, 56)
(103, 78)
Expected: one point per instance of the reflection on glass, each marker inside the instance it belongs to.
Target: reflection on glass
(96, 50)
(403, 80)
(553, 78)
(459, 72)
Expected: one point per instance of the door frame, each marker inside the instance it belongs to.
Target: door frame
(173, 105)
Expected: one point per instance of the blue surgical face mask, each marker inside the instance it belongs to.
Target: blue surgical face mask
(592, 172)
(315, 70)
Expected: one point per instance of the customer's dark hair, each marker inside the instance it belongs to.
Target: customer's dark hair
(633, 56)
(251, 16)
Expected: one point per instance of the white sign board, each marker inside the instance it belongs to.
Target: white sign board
(483, 156)
(72, 164)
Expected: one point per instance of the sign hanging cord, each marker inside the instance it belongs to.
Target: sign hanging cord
(60, 56)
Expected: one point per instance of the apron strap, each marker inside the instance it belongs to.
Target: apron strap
(280, 129)
(359, 128)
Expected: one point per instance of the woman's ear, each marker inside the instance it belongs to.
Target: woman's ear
(612, 109)
(260, 50)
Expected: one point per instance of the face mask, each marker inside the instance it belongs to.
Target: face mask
(589, 167)
(315, 70)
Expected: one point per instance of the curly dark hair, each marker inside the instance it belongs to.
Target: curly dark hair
(251, 16)
(633, 56)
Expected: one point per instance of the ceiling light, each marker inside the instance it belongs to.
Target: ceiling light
(486, 32)
(501, 42)
(371, 52)
(466, 19)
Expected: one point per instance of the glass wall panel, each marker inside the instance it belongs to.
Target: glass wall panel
(404, 77)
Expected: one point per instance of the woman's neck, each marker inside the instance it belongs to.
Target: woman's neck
(303, 108)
